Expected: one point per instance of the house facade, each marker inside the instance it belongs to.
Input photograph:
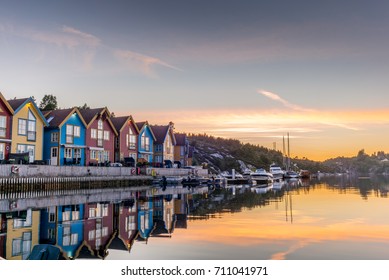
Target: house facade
(6, 113)
(28, 124)
(64, 137)
(181, 149)
(100, 136)
(163, 145)
(146, 140)
(126, 144)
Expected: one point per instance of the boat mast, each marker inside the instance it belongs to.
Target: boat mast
(284, 152)
(288, 154)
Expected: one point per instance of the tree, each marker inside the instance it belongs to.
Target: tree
(49, 102)
(85, 106)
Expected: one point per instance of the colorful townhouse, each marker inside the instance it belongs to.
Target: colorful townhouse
(181, 149)
(126, 144)
(164, 145)
(127, 223)
(100, 136)
(98, 228)
(70, 229)
(146, 140)
(64, 137)
(22, 234)
(6, 113)
(163, 215)
(145, 218)
(28, 125)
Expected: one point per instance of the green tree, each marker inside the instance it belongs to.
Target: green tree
(49, 102)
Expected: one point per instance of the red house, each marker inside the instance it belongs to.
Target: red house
(98, 228)
(6, 113)
(126, 146)
(100, 136)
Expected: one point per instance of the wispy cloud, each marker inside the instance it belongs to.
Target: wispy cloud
(143, 62)
(84, 38)
(84, 47)
(276, 97)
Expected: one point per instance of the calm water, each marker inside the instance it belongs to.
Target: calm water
(330, 218)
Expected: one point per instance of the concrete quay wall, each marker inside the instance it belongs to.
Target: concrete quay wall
(8, 170)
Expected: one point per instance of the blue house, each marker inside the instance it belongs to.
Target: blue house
(70, 229)
(64, 138)
(145, 218)
(145, 142)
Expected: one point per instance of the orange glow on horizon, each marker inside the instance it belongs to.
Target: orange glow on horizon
(317, 135)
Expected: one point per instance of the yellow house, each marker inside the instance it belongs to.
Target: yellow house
(28, 124)
(22, 234)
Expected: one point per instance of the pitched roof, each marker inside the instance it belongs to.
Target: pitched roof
(180, 139)
(16, 103)
(6, 103)
(119, 122)
(56, 118)
(140, 125)
(90, 114)
(160, 132)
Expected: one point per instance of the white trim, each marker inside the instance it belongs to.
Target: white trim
(96, 148)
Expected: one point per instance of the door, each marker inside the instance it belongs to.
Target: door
(54, 156)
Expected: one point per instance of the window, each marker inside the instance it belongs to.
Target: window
(31, 133)
(3, 126)
(68, 152)
(54, 137)
(77, 131)
(132, 141)
(31, 127)
(22, 127)
(93, 133)
(100, 125)
(106, 156)
(99, 138)
(93, 154)
(91, 235)
(106, 135)
(158, 159)
(158, 148)
(77, 153)
(22, 148)
(2, 149)
(69, 134)
(145, 142)
(51, 214)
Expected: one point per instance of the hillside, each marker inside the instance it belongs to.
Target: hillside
(220, 154)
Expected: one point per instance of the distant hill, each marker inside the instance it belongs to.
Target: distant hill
(220, 154)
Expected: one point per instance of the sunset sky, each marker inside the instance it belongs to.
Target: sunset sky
(249, 70)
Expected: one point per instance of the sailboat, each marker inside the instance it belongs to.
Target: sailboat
(289, 174)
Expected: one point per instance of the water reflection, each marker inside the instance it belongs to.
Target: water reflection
(289, 219)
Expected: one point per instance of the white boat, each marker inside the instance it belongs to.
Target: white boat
(291, 175)
(229, 176)
(262, 190)
(276, 171)
(260, 176)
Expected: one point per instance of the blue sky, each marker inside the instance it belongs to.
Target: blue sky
(209, 66)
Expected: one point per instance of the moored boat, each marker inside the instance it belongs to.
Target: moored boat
(305, 174)
(260, 176)
(276, 171)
